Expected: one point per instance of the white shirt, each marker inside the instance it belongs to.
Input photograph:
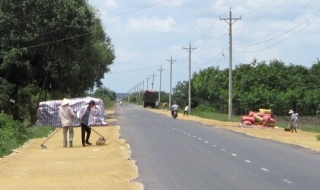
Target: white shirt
(186, 108)
(65, 115)
(82, 111)
(175, 107)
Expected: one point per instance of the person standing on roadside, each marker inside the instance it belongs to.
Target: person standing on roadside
(186, 110)
(85, 116)
(292, 121)
(296, 120)
(65, 115)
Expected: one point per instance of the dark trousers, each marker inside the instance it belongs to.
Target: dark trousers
(185, 113)
(85, 129)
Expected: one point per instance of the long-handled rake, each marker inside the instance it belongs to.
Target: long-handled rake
(101, 140)
(42, 145)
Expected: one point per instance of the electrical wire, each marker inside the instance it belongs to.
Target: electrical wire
(296, 26)
(264, 6)
(273, 38)
(281, 40)
(262, 16)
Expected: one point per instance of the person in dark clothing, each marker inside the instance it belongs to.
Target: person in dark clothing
(85, 115)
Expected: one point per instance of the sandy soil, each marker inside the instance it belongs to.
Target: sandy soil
(92, 167)
(304, 139)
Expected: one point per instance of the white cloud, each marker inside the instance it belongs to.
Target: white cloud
(110, 3)
(154, 24)
(145, 33)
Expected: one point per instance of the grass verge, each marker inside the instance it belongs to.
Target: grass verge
(216, 116)
(11, 140)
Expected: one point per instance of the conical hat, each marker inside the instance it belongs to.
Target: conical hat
(65, 101)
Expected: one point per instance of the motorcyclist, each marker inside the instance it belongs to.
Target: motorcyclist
(174, 107)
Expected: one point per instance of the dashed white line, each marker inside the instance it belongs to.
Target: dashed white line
(206, 142)
(265, 169)
(189, 134)
(248, 161)
(199, 139)
(185, 132)
(234, 154)
(214, 145)
(223, 149)
(288, 181)
(194, 136)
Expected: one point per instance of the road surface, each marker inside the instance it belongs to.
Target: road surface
(176, 154)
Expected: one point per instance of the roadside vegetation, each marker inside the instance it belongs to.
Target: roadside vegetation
(49, 50)
(13, 134)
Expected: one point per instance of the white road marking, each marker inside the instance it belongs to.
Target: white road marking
(234, 154)
(199, 139)
(248, 161)
(194, 136)
(265, 169)
(223, 149)
(214, 145)
(206, 142)
(185, 132)
(288, 181)
(189, 134)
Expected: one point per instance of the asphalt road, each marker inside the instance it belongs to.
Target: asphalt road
(183, 155)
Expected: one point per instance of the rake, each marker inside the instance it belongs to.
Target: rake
(101, 140)
(42, 145)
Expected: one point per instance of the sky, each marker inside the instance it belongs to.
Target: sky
(147, 33)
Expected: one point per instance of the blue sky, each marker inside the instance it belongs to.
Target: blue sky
(146, 33)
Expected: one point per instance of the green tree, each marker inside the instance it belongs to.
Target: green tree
(57, 46)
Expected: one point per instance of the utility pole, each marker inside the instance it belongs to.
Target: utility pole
(139, 90)
(147, 82)
(230, 21)
(153, 75)
(171, 61)
(160, 82)
(189, 50)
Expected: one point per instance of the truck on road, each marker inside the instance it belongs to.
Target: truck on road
(149, 98)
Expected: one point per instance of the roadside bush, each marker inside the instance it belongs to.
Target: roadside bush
(12, 134)
(203, 108)
(318, 137)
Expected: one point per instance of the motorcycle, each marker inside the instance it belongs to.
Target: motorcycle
(174, 114)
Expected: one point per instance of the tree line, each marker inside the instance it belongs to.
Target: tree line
(272, 85)
(49, 50)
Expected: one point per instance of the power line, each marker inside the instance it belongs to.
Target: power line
(296, 26)
(262, 16)
(281, 40)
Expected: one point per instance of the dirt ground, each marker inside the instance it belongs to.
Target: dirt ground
(304, 139)
(92, 167)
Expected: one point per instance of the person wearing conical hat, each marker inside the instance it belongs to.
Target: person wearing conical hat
(292, 121)
(65, 115)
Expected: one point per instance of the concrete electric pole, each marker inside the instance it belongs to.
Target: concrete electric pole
(147, 82)
(230, 21)
(160, 83)
(153, 75)
(189, 50)
(171, 61)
